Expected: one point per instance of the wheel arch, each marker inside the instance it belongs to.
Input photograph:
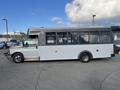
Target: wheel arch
(16, 53)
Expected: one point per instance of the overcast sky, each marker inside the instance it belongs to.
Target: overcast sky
(107, 11)
(22, 14)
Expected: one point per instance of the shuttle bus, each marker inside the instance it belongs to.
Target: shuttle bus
(83, 44)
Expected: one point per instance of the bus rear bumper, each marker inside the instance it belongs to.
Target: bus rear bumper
(112, 55)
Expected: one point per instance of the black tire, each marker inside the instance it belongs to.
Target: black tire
(85, 57)
(18, 57)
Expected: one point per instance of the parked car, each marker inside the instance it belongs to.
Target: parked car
(13, 42)
(3, 45)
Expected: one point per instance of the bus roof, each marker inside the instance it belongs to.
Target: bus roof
(38, 30)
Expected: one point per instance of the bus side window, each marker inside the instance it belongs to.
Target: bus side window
(62, 38)
(105, 37)
(83, 38)
(82, 41)
(69, 38)
(73, 38)
(94, 37)
(50, 38)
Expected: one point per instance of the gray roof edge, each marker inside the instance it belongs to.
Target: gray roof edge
(59, 28)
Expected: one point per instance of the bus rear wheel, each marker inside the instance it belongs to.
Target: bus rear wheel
(85, 57)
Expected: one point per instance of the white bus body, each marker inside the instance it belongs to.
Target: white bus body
(73, 51)
(50, 49)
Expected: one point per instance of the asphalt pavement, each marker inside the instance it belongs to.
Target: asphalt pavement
(102, 74)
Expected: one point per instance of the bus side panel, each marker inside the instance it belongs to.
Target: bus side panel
(28, 53)
(59, 52)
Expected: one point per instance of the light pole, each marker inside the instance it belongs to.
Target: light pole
(93, 21)
(6, 22)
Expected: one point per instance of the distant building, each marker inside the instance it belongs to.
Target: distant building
(13, 35)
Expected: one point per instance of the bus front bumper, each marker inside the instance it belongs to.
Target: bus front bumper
(7, 54)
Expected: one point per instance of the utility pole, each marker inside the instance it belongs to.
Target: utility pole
(93, 21)
(6, 22)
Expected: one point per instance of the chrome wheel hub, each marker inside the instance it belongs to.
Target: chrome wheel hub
(17, 58)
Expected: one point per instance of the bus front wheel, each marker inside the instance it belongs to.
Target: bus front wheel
(85, 57)
(18, 57)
